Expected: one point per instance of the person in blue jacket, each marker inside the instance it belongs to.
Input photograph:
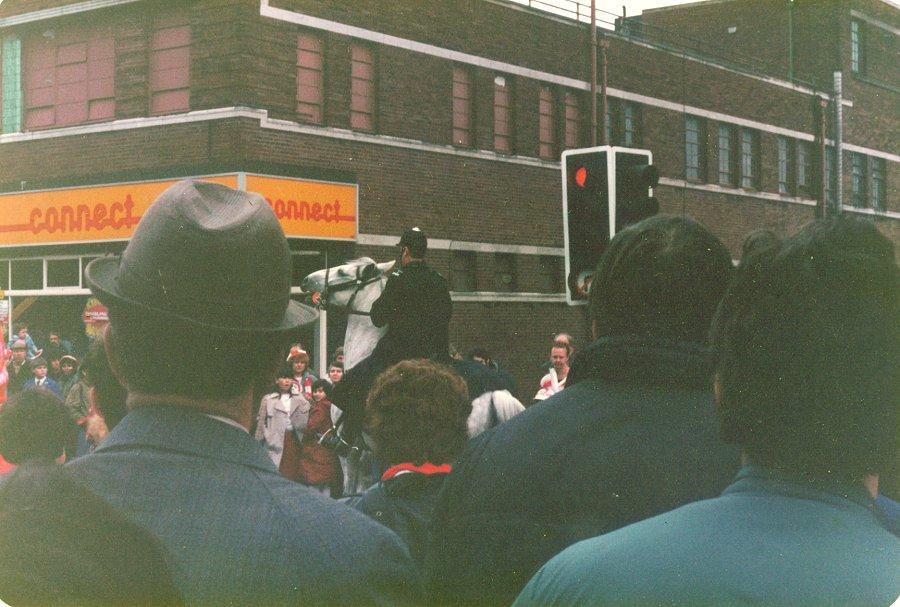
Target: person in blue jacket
(808, 363)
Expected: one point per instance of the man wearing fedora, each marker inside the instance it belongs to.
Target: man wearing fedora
(208, 270)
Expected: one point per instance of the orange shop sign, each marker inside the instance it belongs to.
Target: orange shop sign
(309, 209)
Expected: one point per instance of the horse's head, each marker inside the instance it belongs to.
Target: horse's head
(341, 282)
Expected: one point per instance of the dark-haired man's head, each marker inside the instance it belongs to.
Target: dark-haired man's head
(335, 372)
(416, 412)
(35, 426)
(660, 278)
(808, 346)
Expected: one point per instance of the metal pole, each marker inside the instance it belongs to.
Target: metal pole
(593, 73)
(838, 141)
(823, 157)
(790, 40)
(604, 100)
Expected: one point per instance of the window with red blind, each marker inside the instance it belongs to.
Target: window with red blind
(362, 88)
(573, 120)
(69, 78)
(502, 115)
(170, 67)
(310, 81)
(462, 107)
(547, 123)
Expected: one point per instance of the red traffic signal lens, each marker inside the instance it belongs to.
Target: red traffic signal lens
(581, 176)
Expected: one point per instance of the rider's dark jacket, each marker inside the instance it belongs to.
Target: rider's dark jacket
(416, 308)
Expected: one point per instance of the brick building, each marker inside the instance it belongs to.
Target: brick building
(446, 114)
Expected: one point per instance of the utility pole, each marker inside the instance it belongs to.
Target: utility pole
(593, 73)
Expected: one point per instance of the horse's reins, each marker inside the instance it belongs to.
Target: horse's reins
(358, 282)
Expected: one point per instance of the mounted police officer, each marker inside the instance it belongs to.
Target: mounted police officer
(415, 305)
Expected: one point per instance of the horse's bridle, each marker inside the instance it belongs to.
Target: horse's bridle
(358, 282)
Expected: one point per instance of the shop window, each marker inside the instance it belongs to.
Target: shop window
(694, 151)
(63, 273)
(26, 274)
(462, 271)
(462, 107)
(4, 274)
(502, 116)
(573, 119)
(68, 78)
(876, 189)
(304, 263)
(362, 88)
(505, 279)
(749, 158)
(726, 154)
(551, 271)
(547, 125)
(858, 182)
(804, 169)
(310, 78)
(170, 65)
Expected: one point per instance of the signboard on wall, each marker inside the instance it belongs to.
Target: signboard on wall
(102, 213)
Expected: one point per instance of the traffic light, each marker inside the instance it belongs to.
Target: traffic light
(604, 189)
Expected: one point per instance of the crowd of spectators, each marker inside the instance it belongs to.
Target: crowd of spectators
(727, 437)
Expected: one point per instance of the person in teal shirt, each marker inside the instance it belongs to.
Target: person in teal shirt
(808, 361)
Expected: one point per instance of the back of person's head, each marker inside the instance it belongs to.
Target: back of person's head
(660, 278)
(480, 355)
(492, 409)
(108, 394)
(62, 545)
(808, 346)
(758, 240)
(35, 426)
(416, 412)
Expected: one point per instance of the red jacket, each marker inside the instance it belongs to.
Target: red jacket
(306, 461)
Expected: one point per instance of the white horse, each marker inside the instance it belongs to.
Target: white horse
(353, 288)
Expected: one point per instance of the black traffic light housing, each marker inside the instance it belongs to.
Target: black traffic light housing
(605, 189)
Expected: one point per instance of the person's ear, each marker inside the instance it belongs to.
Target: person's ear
(109, 345)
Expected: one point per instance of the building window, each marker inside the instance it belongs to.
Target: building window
(804, 168)
(573, 119)
(547, 126)
(362, 88)
(857, 46)
(631, 121)
(462, 271)
(749, 160)
(69, 78)
(784, 165)
(63, 272)
(858, 169)
(693, 149)
(505, 272)
(170, 67)
(310, 78)
(462, 107)
(27, 274)
(828, 177)
(726, 155)
(502, 116)
(876, 190)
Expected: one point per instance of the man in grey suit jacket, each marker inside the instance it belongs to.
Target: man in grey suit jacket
(200, 310)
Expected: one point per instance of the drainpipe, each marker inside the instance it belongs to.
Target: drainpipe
(824, 211)
(838, 141)
(791, 40)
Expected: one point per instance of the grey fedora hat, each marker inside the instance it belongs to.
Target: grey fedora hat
(208, 257)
